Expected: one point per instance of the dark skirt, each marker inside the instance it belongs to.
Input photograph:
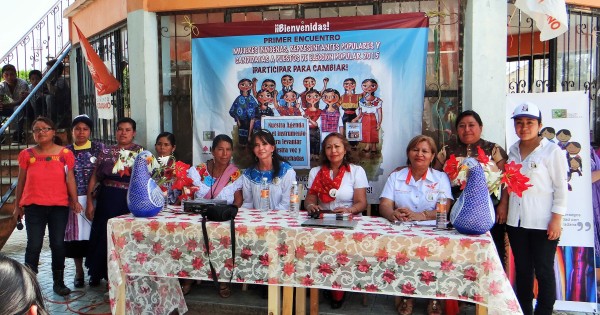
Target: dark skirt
(111, 202)
(77, 249)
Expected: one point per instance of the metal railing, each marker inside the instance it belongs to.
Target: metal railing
(44, 41)
(8, 186)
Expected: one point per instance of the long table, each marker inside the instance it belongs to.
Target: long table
(147, 255)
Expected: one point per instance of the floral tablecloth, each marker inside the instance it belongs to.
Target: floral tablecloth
(147, 255)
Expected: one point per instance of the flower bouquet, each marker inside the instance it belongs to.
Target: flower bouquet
(124, 162)
(511, 179)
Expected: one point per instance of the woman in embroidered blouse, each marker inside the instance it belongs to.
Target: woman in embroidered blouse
(534, 220)
(44, 194)
(111, 198)
(86, 153)
(165, 147)
(337, 185)
(469, 128)
(219, 178)
(410, 194)
(274, 167)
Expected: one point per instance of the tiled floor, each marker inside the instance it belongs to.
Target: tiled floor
(202, 300)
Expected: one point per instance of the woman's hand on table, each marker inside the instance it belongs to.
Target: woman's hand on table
(406, 214)
(312, 208)
(398, 215)
(343, 210)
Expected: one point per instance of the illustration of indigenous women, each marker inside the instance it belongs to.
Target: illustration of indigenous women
(349, 105)
(370, 115)
(242, 110)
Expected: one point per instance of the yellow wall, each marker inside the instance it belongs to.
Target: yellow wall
(585, 3)
(93, 17)
(170, 5)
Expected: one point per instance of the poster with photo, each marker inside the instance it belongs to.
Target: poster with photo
(329, 71)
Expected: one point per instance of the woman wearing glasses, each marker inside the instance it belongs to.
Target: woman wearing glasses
(111, 198)
(274, 167)
(86, 153)
(410, 194)
(45, 189)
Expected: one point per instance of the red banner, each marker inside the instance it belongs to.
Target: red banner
(104, 81)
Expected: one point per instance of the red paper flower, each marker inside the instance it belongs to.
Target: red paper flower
(514, 180)
(451, 167)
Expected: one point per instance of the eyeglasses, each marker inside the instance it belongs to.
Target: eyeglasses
(44, 130)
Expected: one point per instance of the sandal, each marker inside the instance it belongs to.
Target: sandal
(404, 306)
(224, 290)
(186, 286)
(434, 308)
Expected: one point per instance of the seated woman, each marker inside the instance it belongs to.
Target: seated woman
(410, 194)
(217, 179)
(336, 185)
(274, 167)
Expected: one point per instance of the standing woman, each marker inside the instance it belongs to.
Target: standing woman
(337, 185)
(45, 189)
(410, 194)
(77, 234)
(469, 128)
(269, 164)
(111, 198)
(534, 222)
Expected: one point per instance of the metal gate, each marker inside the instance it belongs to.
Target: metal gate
(570, 62)
(112, 47)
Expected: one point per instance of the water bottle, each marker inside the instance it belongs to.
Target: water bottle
(441, 212)
(265, 202)
(294, 200)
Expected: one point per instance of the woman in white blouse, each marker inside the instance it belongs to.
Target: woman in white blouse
(410, 194)
(217, 179)
(279, 173)
(336, 185)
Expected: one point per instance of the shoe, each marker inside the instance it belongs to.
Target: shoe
(94, 282)
(224, 290)
(405, 306)
(186, 286)
(79, 282)
(337, 299)
(59, 284)
(434, 307)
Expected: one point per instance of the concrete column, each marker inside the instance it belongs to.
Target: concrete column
(73, 83)
(484, 65)
(143, 75)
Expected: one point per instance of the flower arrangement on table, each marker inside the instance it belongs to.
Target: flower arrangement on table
(166, 172)
(512, 178)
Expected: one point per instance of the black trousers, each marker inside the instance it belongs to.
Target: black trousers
(36, 220)
(534, 253)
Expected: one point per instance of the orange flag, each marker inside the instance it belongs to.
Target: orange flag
(104, 81)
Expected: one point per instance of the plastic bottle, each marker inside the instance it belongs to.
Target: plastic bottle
(294, 200)
(441, 212)
(265, 201)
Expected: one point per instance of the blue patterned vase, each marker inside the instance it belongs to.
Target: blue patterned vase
(144, 197)
(473, 213)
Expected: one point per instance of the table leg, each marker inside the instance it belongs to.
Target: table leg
(288, 300)
(300, 301)
(480, 310)
(314, 301)
(274, 302)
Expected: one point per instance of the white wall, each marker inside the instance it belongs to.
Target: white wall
(484, 65)
(143, 75)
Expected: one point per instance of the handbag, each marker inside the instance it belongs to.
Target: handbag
(219, 213)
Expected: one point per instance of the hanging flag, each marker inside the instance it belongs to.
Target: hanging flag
(550, 16)
(104, 81)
